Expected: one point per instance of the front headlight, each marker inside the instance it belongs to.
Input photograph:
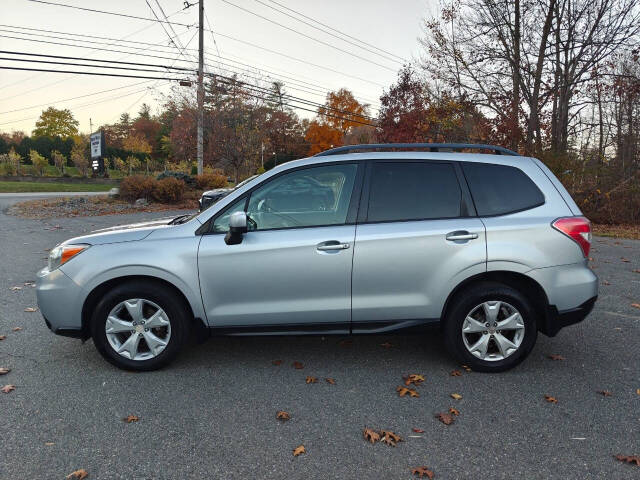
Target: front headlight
(63, 253)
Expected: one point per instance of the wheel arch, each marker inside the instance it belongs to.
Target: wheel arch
(98, 292)
(523, 283)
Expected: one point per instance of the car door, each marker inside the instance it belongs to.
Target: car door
(292, 270)
(417, 237)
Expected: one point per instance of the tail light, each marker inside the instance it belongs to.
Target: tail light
(576, 228)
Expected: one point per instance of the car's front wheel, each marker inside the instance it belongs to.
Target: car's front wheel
(139, 326)
(491, 327)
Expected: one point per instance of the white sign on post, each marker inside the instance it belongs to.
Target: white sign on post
(96, 145)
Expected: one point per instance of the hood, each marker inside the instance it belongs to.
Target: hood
(121, 233)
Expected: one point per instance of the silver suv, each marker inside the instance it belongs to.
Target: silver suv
(358, 239)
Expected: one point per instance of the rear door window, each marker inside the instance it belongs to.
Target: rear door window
(500, 189)
(413, 191)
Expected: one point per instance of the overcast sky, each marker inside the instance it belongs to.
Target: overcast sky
(393, 26)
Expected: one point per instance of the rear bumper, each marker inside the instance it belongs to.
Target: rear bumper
(556, 320)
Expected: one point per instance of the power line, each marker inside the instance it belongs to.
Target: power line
(357, 43)
(334, 29)
(308, 36)
(85, 73)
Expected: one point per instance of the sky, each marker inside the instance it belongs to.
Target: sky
(393, 26)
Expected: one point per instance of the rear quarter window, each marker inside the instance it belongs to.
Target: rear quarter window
(500, 189)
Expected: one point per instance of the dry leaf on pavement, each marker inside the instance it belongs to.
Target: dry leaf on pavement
(467, 368)
(423, 472)
(635, 305)
(625, 260)
(456, 396)
(282, 415)
(445, 418)
(370, 435)
(298, 365)
(2, 337)
(16, 329)
(390, 438)
(629, 459)
(550, 399)
(330, 380)
(311, 379)
(16, 288)
(130, 418)
(413, 378)
(386, 345)
(637, 270)
(456, 373)
(277, 362)
(402, 391)
(4, 371)
(78, 474)
(417, 430)
(30, 309)
(346, 343)
(454, 411)
(7, 388)
(299, 450)
(553, 356)
(604, 282)
(604, 393)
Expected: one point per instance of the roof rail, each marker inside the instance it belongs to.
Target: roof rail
(432, 147)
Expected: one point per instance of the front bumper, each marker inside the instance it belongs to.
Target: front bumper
(60, 302)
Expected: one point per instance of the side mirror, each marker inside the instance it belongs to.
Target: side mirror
(237, 228)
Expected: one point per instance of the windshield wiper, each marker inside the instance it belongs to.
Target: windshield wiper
(177, 220)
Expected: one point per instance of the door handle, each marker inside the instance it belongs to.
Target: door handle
(326, 246)
(461, 235)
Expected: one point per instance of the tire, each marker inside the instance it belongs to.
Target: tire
(122, 300)
(479, 302)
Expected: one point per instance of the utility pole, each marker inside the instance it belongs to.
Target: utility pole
(200, 87)
(90, 126)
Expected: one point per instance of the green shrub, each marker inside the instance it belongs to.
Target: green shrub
(168, 190)
(38, 161)
(7, 168)
(179, 175)
(137, 186)
(211, 180)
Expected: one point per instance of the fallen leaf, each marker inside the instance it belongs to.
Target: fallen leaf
(604, 393)
(16, 288)
(130, 419)
(299, 450)
(456, 373)
(386, 345)
(454, 411)
(4, 371)
(390, 438)
(624, 260)
(49, 444)
(282, 415)
(629, 459)
(277, 362)
(604, 282)
(638, 391)
(30, 309)
(78, 474)
(16, 329)
(402, 391)
(550, 399)
(466, 368)
(445, 418)
(423, 472)
(637, 270)
(2, 337)
(311, 379)
(346, 343)
(298, 365)
(30, 284)
(456, 396)
(417, 430)
(553, 356)
(370, 435)
(413, 378)
(635, 305)
(7, 389)
(330, 380)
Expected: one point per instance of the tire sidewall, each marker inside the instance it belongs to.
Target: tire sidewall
(161, 296)
(474, 297)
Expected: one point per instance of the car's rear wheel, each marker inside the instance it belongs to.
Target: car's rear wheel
(491, 327)
(140, 326)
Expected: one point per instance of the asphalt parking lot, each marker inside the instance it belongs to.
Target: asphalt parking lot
(211, 414)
